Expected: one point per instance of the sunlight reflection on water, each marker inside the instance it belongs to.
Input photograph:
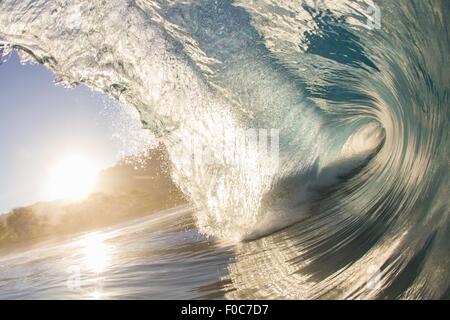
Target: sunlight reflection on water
(96, 253)
(141, 259)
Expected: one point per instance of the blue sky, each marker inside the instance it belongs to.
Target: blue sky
(40, 121)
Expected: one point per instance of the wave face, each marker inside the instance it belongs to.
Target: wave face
(354, 204)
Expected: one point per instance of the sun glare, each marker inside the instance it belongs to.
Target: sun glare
(72, 178)
(96, 253)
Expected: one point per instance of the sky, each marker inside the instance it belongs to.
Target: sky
(41, 121)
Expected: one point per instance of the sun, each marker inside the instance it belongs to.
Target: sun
(73, 177)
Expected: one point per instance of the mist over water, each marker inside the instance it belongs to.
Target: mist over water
(355, 203)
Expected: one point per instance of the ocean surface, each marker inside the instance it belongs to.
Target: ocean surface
(310, 136)
(161, 256)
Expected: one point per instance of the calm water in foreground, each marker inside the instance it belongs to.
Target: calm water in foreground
(161, 256)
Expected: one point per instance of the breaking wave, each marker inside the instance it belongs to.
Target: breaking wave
(351, 198)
